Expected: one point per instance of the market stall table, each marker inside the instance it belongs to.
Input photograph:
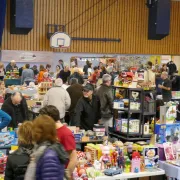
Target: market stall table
(172, 171)
(159, 172)
(10, 82)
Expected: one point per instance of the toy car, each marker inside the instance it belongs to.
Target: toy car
(112, 172)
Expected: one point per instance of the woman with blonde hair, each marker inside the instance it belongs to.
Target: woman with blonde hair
(18, 161)
(49, 158)
(2, 71)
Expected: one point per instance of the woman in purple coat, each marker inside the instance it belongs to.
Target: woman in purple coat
(49, 158)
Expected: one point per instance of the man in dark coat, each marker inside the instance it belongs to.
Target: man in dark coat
(104, 92)
(75, 93)
(87, 111)
(17, 108)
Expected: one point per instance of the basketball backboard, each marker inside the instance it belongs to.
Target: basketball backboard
(60, 40)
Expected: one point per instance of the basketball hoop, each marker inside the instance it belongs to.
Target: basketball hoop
(60, 40)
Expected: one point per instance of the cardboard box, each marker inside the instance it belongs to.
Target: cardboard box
(7, 139)
(167, 133)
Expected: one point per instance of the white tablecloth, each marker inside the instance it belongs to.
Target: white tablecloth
(172, 171)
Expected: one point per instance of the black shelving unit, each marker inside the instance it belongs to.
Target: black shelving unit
(150, 114)
(128, 112)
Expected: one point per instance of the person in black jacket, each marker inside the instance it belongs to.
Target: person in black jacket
(18, 161)
(85, 69)
(87, 111)
(17, 108)
(104, 92)
(75, 93)
(77, 75)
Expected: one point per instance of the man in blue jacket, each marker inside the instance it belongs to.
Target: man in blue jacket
(5, 119)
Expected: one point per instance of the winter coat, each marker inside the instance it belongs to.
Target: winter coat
(17, 163)
(77, 76)
(48, 162)
(11, 109)
(49, 167)
(59, 97)
(75, 92)
(105, 96)
(5, 119)
(85, 69)
(87, 113)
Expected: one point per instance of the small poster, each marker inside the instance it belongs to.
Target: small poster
(168, 150)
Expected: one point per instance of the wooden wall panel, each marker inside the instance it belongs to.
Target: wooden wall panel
(124, 19)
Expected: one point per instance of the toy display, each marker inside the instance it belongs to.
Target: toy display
(151, 157)
(135, 162)
(120, 159)
(168, 150)
(7, 139)
(12, 74)
(133, 125)
(105, 159)
(168, 113)
(112, 172)
(168, 133)
(44, 87)
(3, 160)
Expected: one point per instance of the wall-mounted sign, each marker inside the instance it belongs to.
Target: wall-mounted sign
(27, 56)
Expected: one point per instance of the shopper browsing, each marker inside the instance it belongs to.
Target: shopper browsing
(59, 97)
(87, 111)
(48, 158)
(75, 93)
(65, 136)
(77, 75)
(166, 87)
(104, 92)
(17, 108)
(18, 161)
(27, 75)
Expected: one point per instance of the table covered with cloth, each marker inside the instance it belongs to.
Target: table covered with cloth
(172, 171)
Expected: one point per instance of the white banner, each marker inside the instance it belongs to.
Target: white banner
(27, 56)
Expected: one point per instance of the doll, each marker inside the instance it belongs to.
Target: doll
(114, 158)
(120, 159)
(105, 159)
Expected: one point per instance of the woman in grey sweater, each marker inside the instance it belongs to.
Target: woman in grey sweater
(27, 75)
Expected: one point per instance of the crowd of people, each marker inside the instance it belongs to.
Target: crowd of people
(47, 147)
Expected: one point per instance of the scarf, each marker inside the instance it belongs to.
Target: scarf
(36, 155)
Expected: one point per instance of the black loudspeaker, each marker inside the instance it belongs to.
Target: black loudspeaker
(159, 20)
(22, 16)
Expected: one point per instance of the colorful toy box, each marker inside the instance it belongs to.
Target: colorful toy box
(168, 114)
(133, 125)
(151, 157)
(167, 133)
(121, 125)
(7, 139)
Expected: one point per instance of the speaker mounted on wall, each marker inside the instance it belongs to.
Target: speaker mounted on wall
(21, 17)
(159, 19)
